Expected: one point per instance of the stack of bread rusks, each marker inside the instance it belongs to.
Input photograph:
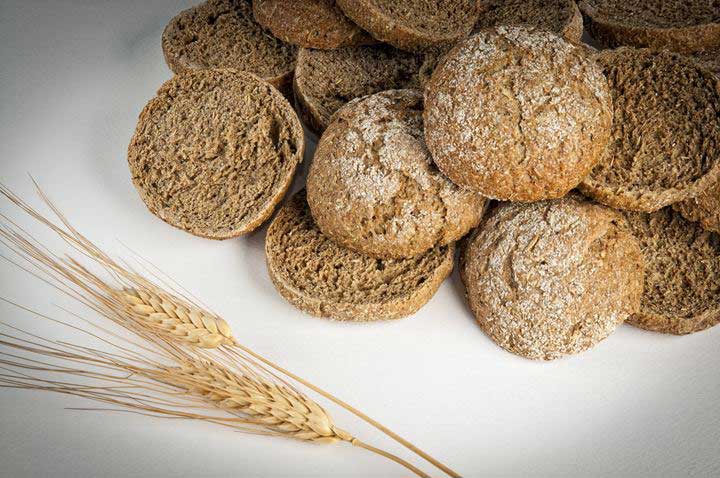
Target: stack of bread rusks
(581, 184)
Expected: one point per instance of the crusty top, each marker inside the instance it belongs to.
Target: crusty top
(214, 151)
(517, 114)
(325, 80)
(550, 15)
(224, 34)
(552, 278)
(654, 13)
(309, 23)
(665, 143)
(373, 187)
(682, 284)
(413, 24)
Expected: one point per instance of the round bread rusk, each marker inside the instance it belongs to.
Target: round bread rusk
(665, 145)
(552, 278)
(215, 151)
(325, 80)
(372, 185)
(323, 279)
(561, 17)
(682, 280)
(517, 114)
(676, 25)
(224, 34)
(310, 23)
(413, 25)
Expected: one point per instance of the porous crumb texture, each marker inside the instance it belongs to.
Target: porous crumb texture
(557, 16)
(552, 278)
(517, 114)
(215, 151)
(309, 23)
(326, 280)
(682, 282)
(374, 188)
(665, 144)
(676, 25)
(325, 80)
(224, 34)
(413, 25)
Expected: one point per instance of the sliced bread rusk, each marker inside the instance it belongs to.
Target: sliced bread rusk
(517, 114)
(214, 152)
(373, 187)
(552, 278)
(676, 25)
(665, 144)
(224, 34)
(324, 279)
(414, 25)
(682, 280)
(325, 80)
(310, 23)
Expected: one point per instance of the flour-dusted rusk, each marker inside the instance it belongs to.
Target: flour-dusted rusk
(552, 278)
(224, 34)
(373, 187)
(309, 23)
(324, 279)
(557, 16)
(413, 25)
(517, 114)
(665, 144)
(325, 80)
(682, 282)
(215, 151)
(677, 25)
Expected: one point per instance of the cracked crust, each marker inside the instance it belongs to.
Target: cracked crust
(665, 144)
(215, 151)
(323, 279)
(557, 16)
(682, 283)
(224, 34)
(309, 23)
(677, 25)
(552, 278)
(373, 187)
(413, 25)
(517, 114)
(326, 80)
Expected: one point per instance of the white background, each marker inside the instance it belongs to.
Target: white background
(73, 77)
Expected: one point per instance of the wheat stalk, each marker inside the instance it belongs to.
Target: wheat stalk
(276, 407)
(165, 319)
(189, 324)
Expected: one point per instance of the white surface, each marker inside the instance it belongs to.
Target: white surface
(73, 77)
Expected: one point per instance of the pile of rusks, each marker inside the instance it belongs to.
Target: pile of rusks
(583, 185)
